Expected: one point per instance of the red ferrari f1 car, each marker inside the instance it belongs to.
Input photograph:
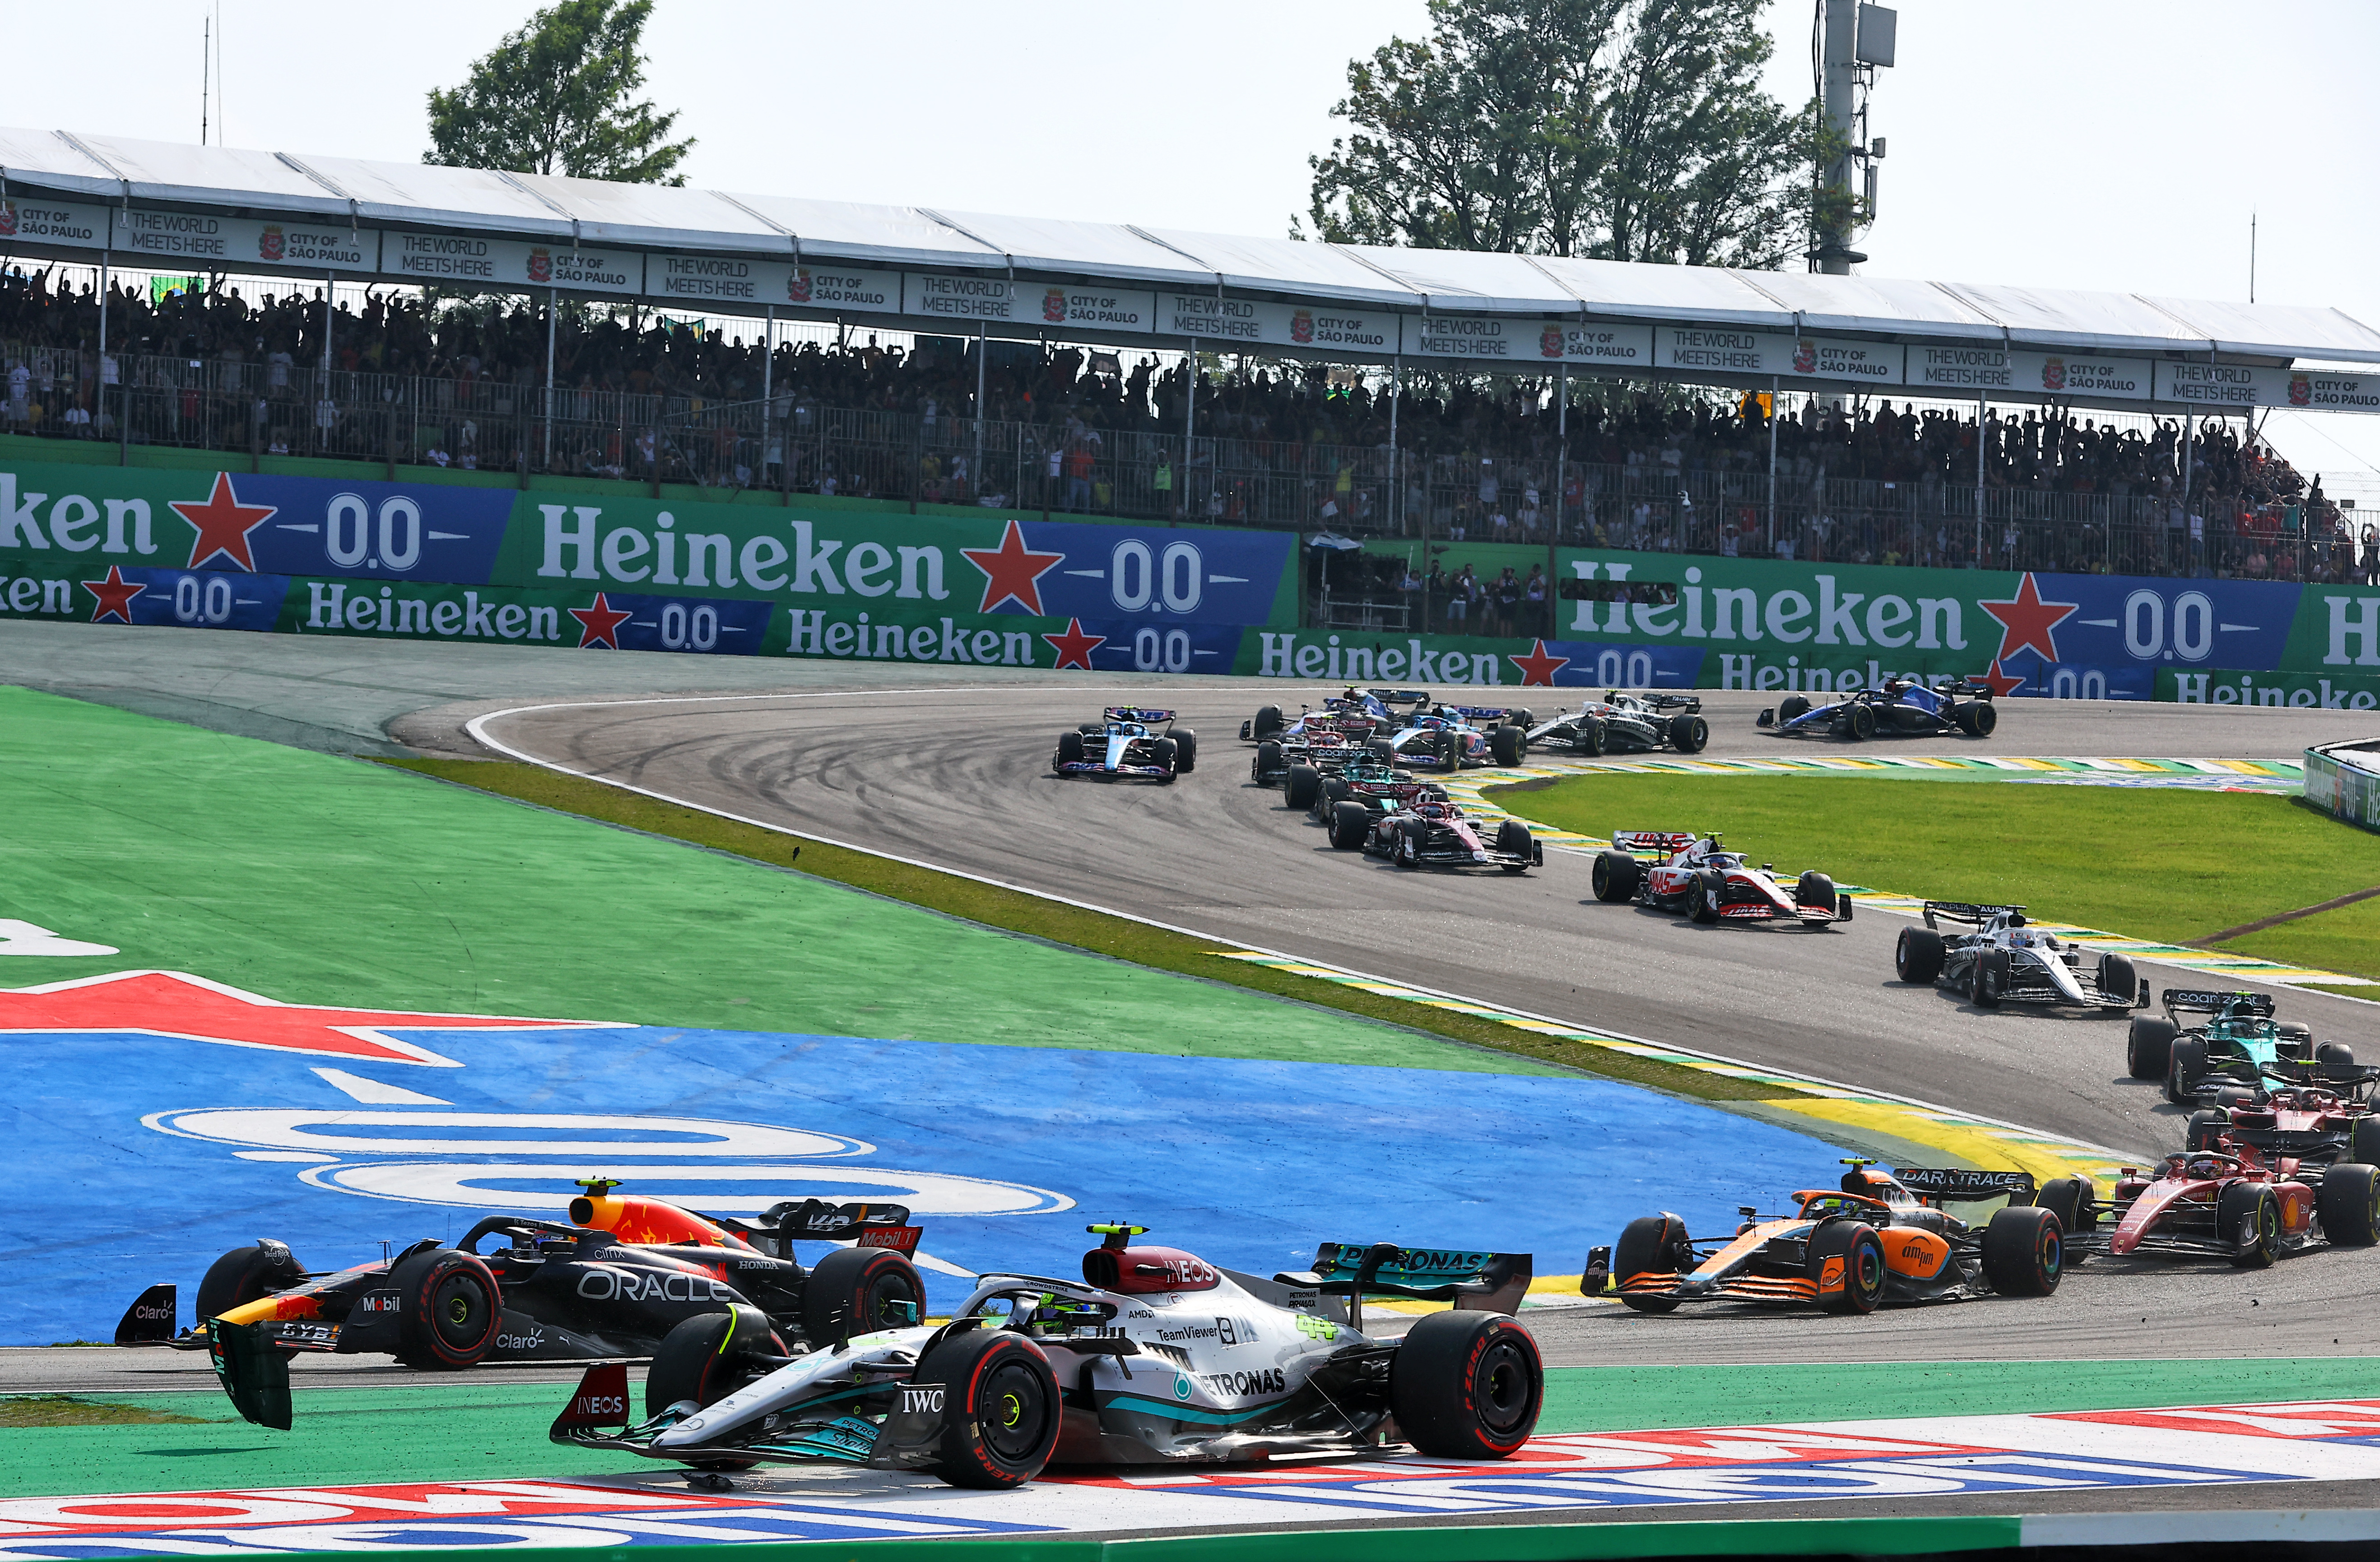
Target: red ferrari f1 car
(2254, 1206)
(1669, 871)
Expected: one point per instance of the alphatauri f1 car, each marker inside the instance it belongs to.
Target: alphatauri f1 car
(1904, 708)
(1683, 872)
(2229, 1049)
(612, 1285)
(1125, 743)
(2003, 960)
(1627, 724)
(1878, 1240)
(1154, 1357)
(1424, 829)
(2233, 1200)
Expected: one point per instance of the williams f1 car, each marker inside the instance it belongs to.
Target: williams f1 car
(2004, 960)
(2230, 1049)
(2231, 1199)
(1626, 724)
(1881, 1240)
(1424, 829)
(1153, 1357)
(1904, 708)
(615, 1284)
(1671, 871)
(1125, 743)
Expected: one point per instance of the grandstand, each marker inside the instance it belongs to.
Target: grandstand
(523, 325)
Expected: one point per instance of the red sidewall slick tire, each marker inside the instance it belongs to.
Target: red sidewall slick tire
(1002, 1408)
(448, 1309)
(853, 1284)
(1467, 1385)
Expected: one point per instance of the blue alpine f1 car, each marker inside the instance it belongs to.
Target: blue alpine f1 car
(1904, 708)
(1127, 743)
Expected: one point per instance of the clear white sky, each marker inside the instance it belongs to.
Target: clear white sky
(2115, 144)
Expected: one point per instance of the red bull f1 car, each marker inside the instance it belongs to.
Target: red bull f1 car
(1683, 872)
(1881, 1240)
(2251, 1205)
(1153, 1357)
(1903, 707)
(611, 1285)
(1127, 744)
(2002, 958)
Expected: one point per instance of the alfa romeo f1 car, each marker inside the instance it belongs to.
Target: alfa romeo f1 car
(615, 1284)
(1424, 829)
(1683, 872)
(2230, 1048)
(1626, 724)
(1125, 743)
(1904, 708)
(1155, 1356)
(1883, 1238)
(2232, 1200)
(2003, 960)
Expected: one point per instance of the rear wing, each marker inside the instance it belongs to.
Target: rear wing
(1135, 713)
(1963, 911)
(1669, 843)
(863, 1225)
(2335, 1077)
(2202, 1001)
(1476, 1282)
(1657, 701)
(1480, 712)
(1399, 697)
(1961, 1185)
(1967, 687)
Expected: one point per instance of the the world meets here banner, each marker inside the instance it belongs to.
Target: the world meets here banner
(312, 555)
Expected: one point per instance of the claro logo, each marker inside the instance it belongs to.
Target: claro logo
(600, 1284)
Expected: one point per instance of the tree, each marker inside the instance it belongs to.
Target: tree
(554, 98)
(1615, 129)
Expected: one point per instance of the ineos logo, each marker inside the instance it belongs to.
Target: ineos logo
(600, 1284)
(921, 1402)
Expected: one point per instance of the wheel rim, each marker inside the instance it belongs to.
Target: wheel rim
(1014, 1412)
(887, 1291)
(1503, 1388)
(1867, 1266)
(457, 1310)
(2053, 1253)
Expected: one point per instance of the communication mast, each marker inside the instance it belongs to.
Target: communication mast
(1850, 41)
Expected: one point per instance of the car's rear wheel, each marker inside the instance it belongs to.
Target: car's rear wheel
(1509, 744)
(1301, 786)
(2185, 1070)
(2363, 1141)
(2348, 1204)
(1000, 1409)
(1791, 706)
(1350, 823)
(2205, 1127)
(2248, 1214)
(859, 1290)
(1466, 1385)
(2069, 1199)
(245, 1275)
(1614, 876)
(2334, 1054)
(447, 1308)
(1689, 734)
(1857, 1284)
(1513, 838)
(1070, 748)
(1917, 955)
(2148, 1049)
(1863, 720)
(1651, 1244)
(1987, 718)
(2025, 1250)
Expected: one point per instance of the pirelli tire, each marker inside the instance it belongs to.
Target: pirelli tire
(1814, 891)
(1861, 721)
(1350, 825)
(1791, 706)
(1000, 1407)
(1466, 1385)
(2185, 1070)
(1513, 839)
(1267, 763)
(1615, 877)
(1917, 955)
(1169, 757)
(2118, 977)
(1987, 979)
(2148, 1047)
(2348, 1204)
(246, 1274)
(1301, 786)
(704, 1360)
(2363, 1141)
(1859, 1286)
(448, 1307)
(1070, 749)
(1267, 722)
(2070, 1199)
(1987, 717)
(859, 1290)
(1450, 751)
(1185, 745)
(1689, 734)
(2334, 1055)
(2248, 1214)
(1702, 901)
(1650, 1244)
(2205, 1127)
(1588, 736)
(2025, 1250)
(1508, 744)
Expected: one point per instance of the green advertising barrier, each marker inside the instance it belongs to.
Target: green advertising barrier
(2302, 690)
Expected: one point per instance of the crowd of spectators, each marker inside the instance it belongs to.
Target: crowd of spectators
(1648, 467)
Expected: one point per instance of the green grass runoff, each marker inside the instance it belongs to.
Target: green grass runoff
(1018, 911)
(2148, 863)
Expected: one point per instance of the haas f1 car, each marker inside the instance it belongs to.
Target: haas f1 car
(1153, 1357)
(1126, 744)
(1904, 708)
(2229, 1049)
(1881, 1240)
(1626, 724)
(612, 1285)
(1669, 871)
(2253, 1206)
(2002, 960)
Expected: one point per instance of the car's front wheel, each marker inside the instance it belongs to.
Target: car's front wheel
(1002, 1407)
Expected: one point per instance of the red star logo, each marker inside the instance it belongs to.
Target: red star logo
(1073, 646)
(114, 595)
(2000, 683)
(2028, 621)
(1537, 667)
(224, 524)
(1012, 571)
(598, 625)
(186, 1007)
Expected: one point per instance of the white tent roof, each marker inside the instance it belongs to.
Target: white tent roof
(405, 195)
